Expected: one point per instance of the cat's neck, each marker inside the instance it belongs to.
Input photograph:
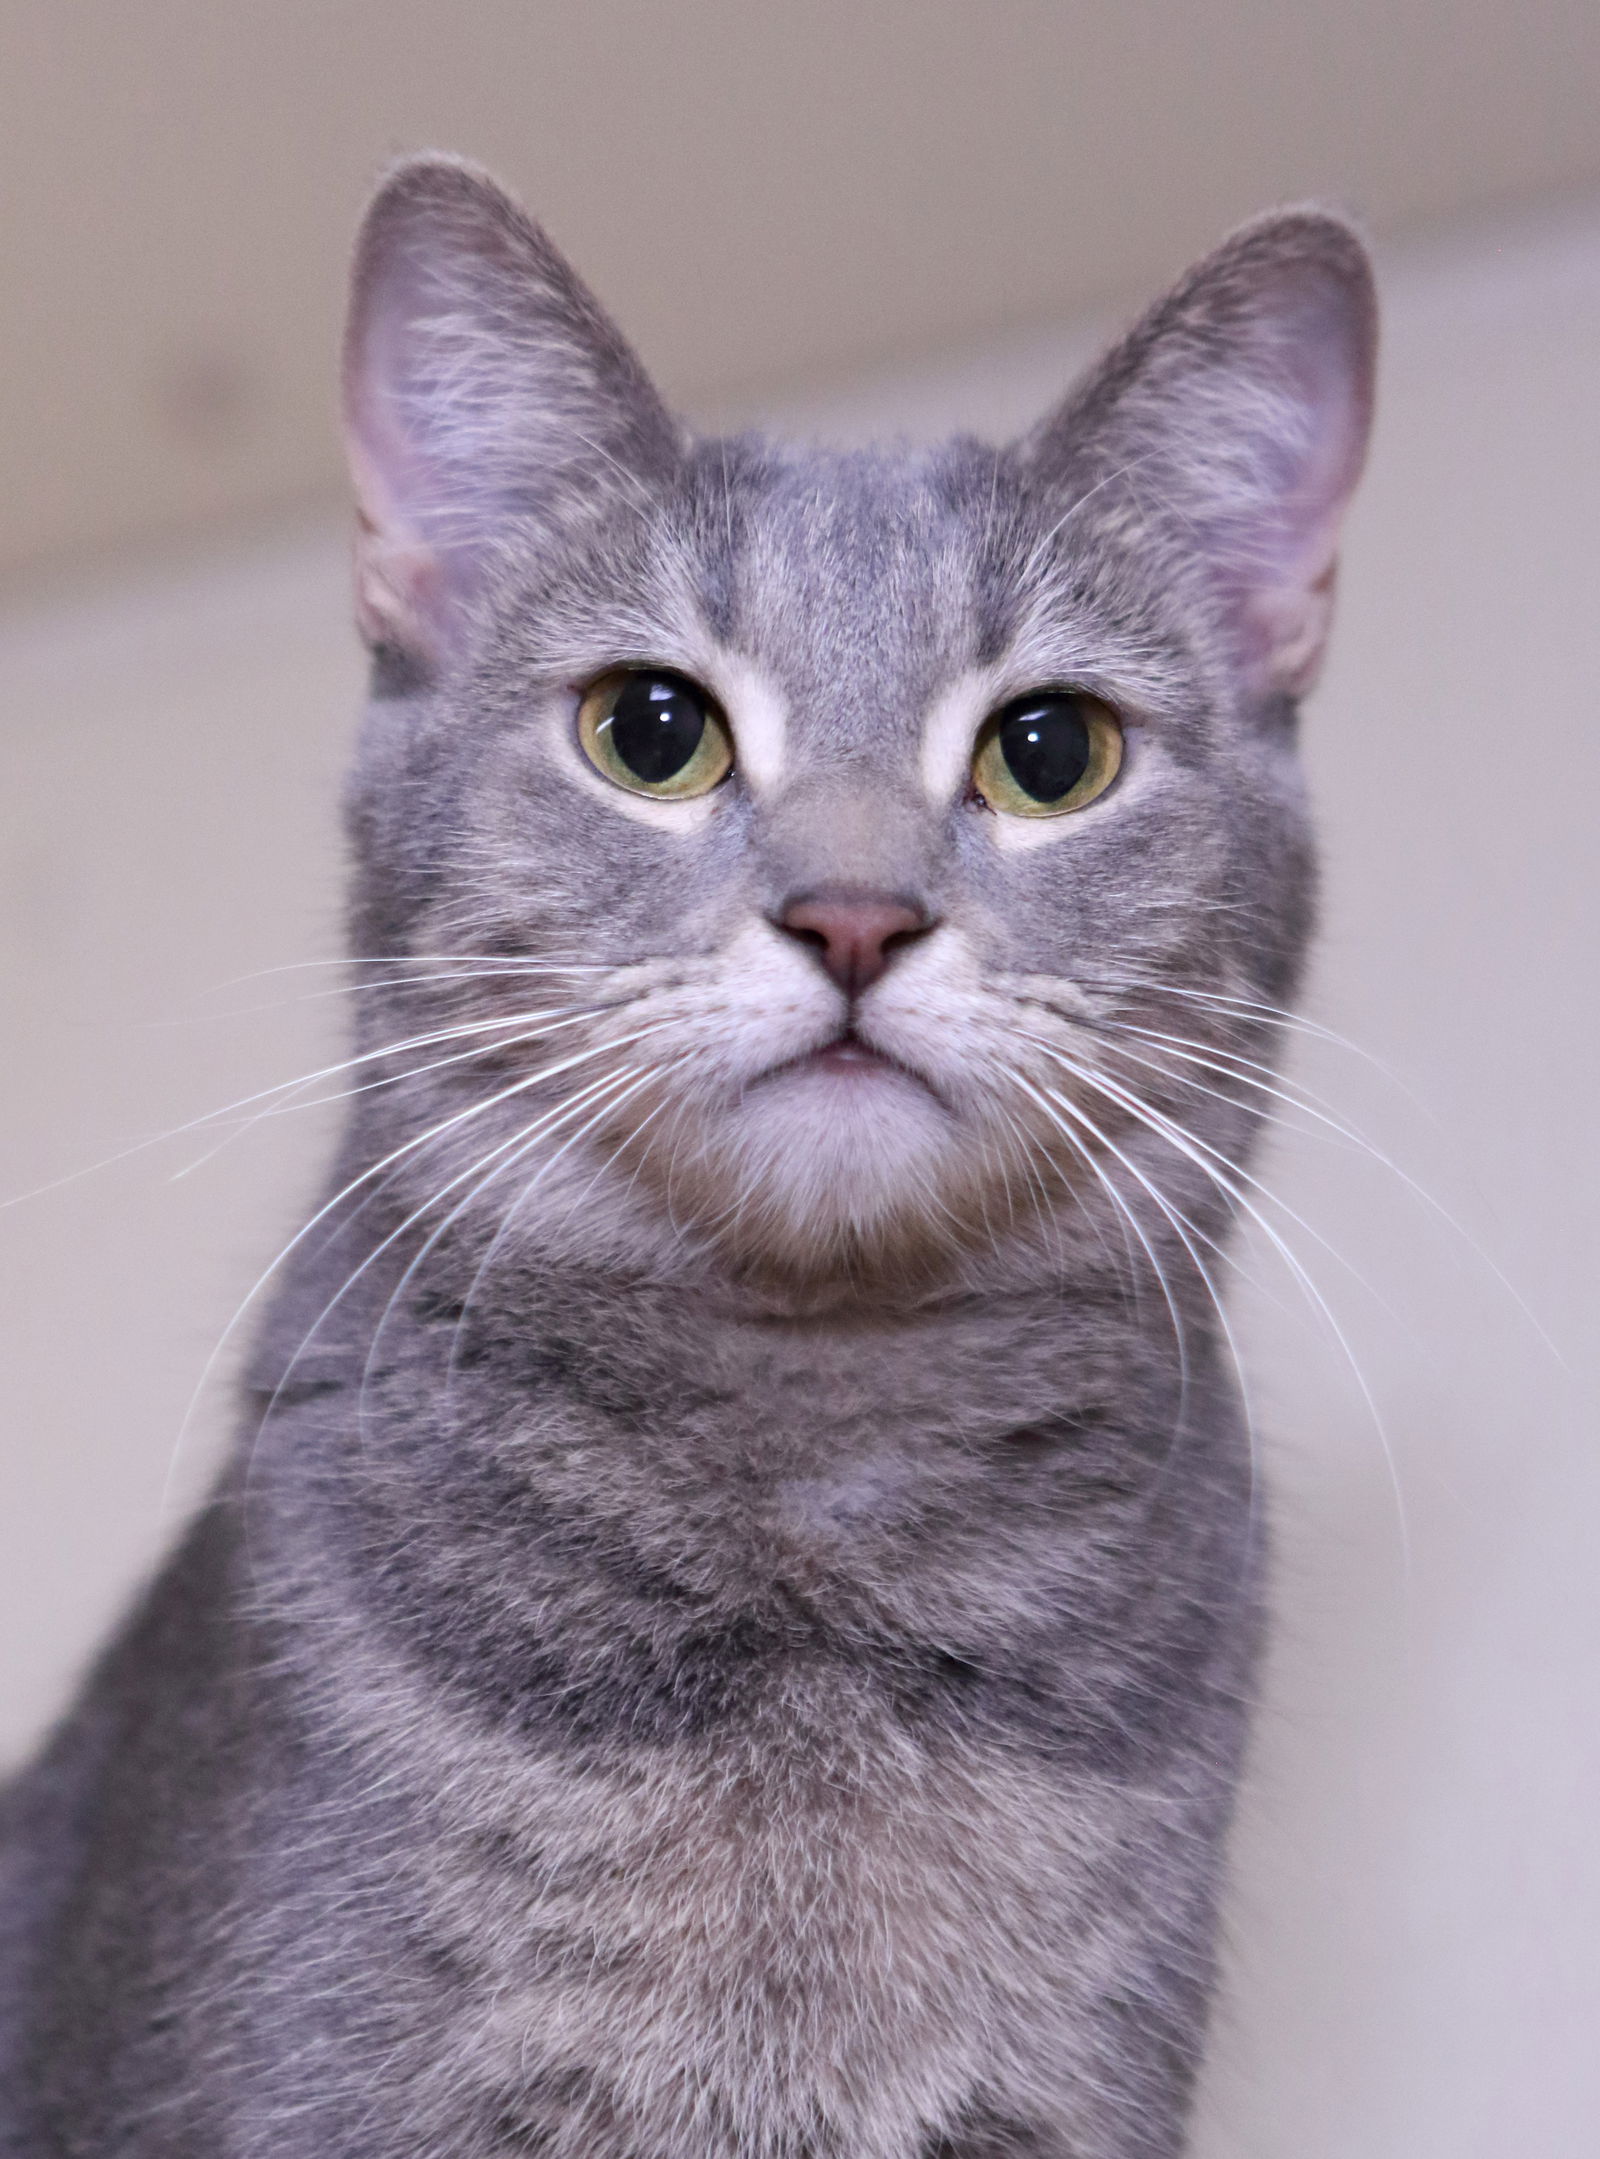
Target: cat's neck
(1047, 1315)
(454, 1451)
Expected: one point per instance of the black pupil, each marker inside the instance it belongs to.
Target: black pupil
(1045, 743)
(656, 725)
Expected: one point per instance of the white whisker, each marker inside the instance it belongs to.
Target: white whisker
(1313, 1107)
(1223, 1174)
(388, 1079)
(455, 1032)
(607, 1108)
(394, 1156)
(515, 1149)
(1044, 1099)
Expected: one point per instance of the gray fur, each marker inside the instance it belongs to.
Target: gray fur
(730, 1625)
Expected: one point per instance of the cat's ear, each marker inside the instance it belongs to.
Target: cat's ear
(487, 399)
(1239, 409)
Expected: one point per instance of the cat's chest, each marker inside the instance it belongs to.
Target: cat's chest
(853, 1936)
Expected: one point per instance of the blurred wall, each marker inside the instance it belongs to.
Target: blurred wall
(1418, 1892)
(765, 193)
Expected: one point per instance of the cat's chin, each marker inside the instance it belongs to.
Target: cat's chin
(840, 1166)
(851, 1101)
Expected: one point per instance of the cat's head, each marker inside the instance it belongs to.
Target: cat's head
(799, 855)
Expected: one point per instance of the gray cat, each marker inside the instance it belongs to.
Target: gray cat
(730, 1625)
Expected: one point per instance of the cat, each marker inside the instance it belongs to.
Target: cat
(729, 1628)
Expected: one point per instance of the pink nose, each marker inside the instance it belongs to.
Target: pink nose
(854, 934)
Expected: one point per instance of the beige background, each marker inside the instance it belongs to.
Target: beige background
(1417, 1910)
(767, 193)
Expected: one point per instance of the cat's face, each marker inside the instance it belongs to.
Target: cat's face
(801, 835)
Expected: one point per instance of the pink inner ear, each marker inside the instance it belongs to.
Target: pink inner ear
(1292, 573)
(400, 585)
(1289, 626)
(399, 594)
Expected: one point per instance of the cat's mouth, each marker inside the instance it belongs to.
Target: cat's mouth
(853, 1059)
(848, 1053)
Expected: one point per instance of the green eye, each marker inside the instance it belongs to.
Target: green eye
(654, 733)
(1047, 753)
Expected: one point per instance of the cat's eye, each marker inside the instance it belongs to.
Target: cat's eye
(655, 733)
(1047, 753)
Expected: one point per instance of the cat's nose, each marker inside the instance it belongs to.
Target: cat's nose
(854, 934)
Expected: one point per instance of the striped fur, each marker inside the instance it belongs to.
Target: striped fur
(729, 1630)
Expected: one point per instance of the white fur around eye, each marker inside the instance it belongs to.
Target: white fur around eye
(757, 717)
(949, 732)
(756, 713)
